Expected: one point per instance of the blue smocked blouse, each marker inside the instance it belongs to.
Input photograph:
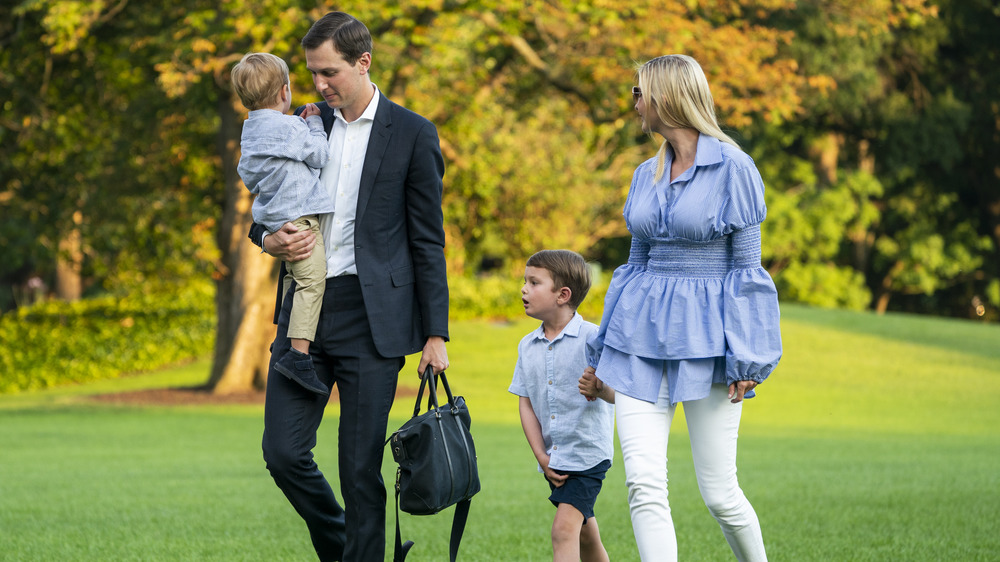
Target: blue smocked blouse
(693, 304)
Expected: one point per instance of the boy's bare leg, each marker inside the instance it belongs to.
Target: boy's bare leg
(591, 547)
(299, 344)
(566, 534)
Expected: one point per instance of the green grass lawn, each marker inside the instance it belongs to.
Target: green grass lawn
(876, 439)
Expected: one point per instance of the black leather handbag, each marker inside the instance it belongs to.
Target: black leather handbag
(437, 461)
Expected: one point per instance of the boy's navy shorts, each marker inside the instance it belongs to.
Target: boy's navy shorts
(580, 489)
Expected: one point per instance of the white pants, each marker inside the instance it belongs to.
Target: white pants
(713, 425)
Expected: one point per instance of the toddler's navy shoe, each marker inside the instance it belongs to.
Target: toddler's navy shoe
(298, 366)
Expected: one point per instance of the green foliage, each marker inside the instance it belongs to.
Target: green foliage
(897, 86)
(499, 298)
(93, 149)
(531, 102)
(808, 226)
(490, 296)
(54, 343)
(928, 249)
(874, 125)
(824, 285)
(811, 222)
(993, 292)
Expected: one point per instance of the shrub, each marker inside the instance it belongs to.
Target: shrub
(499, 298)
(54, 343)
(823, 285)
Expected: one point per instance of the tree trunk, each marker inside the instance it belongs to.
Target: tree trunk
(825, 151)
(245, 282)
(993, 220)
(885, 291)
(69, 262)
(863, 240)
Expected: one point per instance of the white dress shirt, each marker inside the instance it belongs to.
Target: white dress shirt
(342, 179)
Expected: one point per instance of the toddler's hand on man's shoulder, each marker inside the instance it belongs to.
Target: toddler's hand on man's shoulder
(309, 110)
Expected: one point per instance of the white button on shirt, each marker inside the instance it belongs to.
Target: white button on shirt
(342, 179)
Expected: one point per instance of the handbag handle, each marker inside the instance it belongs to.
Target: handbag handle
(429, 379)
(447, 390)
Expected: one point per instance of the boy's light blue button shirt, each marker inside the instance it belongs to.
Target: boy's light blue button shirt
(578, 434)
(281, 157)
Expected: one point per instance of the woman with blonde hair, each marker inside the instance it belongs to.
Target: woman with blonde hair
(692, 317)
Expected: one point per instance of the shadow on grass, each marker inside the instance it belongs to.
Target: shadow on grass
(202, 395)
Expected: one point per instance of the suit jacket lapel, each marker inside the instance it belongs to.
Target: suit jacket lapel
(326, 113)
(377, 143)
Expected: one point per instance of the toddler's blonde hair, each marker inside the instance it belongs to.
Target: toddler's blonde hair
(258, 79)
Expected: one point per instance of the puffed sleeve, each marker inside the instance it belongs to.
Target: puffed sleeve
(751, 317)
(743, 203)
(637, 259)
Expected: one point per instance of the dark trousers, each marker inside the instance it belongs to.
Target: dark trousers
(344, 355)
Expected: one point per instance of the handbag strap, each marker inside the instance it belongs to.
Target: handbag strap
(458, 526)
(428, 380)
(401, 549)
(457, 530)
(447, 390)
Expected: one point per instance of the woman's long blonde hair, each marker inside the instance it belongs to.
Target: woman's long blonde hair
(676, 88)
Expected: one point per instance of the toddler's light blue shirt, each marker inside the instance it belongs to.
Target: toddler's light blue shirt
(280, 163)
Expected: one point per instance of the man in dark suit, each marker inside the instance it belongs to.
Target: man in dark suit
(386, 293)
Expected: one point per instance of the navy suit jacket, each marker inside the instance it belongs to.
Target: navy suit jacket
(399, 231)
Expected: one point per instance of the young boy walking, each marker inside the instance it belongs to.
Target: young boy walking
(282, 156)
(572, 438)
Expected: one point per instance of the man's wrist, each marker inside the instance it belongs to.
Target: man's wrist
(263, 246)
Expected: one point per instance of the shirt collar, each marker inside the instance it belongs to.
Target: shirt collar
(369, 112)
(572, 329)
(708, 153)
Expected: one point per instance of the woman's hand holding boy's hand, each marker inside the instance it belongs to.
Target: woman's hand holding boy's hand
(594, 388)
(589, 384)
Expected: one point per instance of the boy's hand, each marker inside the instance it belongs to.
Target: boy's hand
(309, 110)
(590, 386)
(552, 476)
